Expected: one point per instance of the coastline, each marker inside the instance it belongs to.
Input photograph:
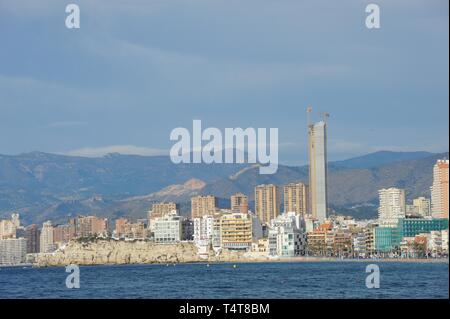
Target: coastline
(104, 252)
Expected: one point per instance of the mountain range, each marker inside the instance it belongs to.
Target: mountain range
(43, 186)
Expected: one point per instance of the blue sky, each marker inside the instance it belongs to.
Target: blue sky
(137, 69)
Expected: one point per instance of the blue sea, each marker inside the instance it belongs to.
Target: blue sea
(245, 280)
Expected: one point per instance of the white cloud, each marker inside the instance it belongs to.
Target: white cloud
(121, 149)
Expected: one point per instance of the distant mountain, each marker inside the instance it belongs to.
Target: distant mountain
(379, 158)
(46, 186)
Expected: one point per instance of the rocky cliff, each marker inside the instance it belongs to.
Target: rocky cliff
(138, 252)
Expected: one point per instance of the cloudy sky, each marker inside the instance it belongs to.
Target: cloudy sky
(137, 69)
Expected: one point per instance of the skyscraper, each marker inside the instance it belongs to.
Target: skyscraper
(392, 205)
(47, 244)
(267, 202)
(317, 134)
(33, 239)
(439, 190)
(203, 205)
(239, 203)
(296, 198)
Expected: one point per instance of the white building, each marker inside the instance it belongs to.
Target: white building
(359, 245)
(438, 242)
(203, 230)
(168, 229)
(286, 237)
(392, 205)
(47, 244)
(13, 251)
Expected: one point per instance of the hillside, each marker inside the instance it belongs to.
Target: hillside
(45, 186)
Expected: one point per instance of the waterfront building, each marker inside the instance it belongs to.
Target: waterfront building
(261, 246)
(392, 205)
(286, 238)
(438, 243)
(421, 207)
(317, 134)
(119, 230)
(8, 228)
(296, 198)
(439, 190)
(62, 234)
(236, 231)
(168, 229)
(203, 205)
(239, 203)
(135, 230)
(387, 239)
(203, 230)
(369, 233)
(320, 240)
(267, 202)
(410, 227)
(32, 235)
(188, 229)
(47, 244)
(359, 244)
(13, 251)
(161, 209)
(89, 226)
(342, 243)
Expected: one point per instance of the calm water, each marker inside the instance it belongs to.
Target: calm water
(252, 280)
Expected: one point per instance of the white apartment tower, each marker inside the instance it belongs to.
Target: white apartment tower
(392, 204)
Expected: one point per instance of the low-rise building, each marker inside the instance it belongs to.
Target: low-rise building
(168, 229)
(286, 238)
(236, 231)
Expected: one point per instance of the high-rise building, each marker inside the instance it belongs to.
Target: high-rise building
(392, 205)
(267, 202)
(8, 227)
(47, 244)
(62, 234)
(13, 251)
(239, 203)
(439, 190)
(318, 169)
(33, 238)
(162, 209)
(203, 205)
(296, 198)
(422, 206)
(87, 226)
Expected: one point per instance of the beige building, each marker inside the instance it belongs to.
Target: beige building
(267, 202)
(296, 198)
(8, 227)
(162, 209)
(439, 190)
(47, 244)
(317, 136)
(236, 231)
(422, 206)
(203, 205)
(239, 203)
(87, 226)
